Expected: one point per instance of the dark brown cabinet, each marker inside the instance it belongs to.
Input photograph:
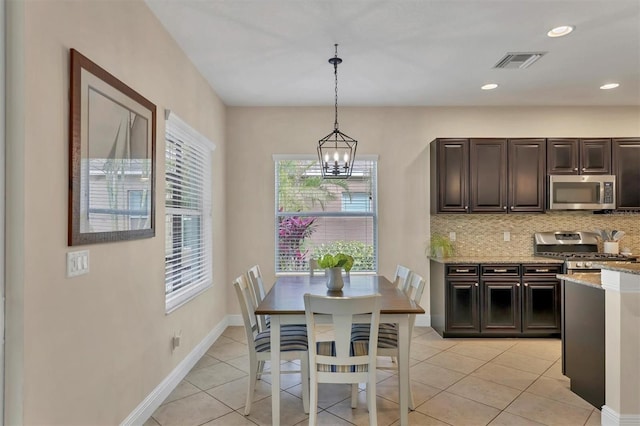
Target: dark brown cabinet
(626, 167)
(488, 175)
(498, 300)
(572, 156)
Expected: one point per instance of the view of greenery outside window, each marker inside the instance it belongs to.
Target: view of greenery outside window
(188, 244)
(138, 208)
(315, 216)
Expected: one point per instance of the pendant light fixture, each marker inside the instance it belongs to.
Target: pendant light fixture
(336, 151)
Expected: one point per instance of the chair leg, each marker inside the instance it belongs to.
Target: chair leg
(354, 395)
(304, 365)
(260, 370)
(371, 402)
(253, 375)
(313, 401)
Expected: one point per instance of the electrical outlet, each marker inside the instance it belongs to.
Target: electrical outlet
(175, 340)
(452, 236)
(77, 263)
(507, 236)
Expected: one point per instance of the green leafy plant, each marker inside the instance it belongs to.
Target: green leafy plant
(339, 260)
(441, 246)
(362, 253)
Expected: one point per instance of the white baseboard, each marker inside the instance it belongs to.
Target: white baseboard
(609, 417)
(147, 407)
(235, 320)
(423, 320)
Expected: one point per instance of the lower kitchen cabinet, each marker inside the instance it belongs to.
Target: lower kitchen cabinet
(482, 300)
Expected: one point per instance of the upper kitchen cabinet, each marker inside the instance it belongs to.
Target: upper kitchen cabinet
(450, 175)
(579, 156)
(626, 167)
(487, 175)
(526, 175)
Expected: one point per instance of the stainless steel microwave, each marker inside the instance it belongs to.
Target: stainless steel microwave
(582, 192)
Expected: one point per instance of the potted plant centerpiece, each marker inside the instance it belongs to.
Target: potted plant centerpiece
(333, 265)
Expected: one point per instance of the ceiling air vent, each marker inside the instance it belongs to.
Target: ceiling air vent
(513, 60)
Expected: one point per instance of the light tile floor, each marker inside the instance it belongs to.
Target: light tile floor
(454, 381)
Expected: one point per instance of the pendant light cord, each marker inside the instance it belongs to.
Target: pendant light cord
(336, 61)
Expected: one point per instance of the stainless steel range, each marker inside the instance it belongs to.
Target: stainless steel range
(578, 249)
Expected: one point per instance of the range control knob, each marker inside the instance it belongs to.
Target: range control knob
(579, 264)
(588, 264)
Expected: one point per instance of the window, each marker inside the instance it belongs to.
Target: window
(315, 216)
(138, 201)
(188, 252)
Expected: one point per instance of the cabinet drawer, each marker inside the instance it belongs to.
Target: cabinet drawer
(542, 269)
(462, 270)
(500, 270)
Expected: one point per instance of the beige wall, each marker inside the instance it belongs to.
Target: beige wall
(400, 136)
(95, 346)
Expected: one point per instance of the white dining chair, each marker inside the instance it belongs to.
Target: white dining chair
(341, 360)
(257, 291)
(402, 276)
(293, 345)
(388, 333)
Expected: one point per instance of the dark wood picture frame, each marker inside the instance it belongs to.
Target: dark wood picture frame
(112, 148)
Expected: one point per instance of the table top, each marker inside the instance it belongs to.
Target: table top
(286, 296)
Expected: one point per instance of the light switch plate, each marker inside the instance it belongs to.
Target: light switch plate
(507, 236)
(77, 263)
(452, 236)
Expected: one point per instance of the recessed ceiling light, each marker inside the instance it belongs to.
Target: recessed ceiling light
(489, 86)
(609, 86)
(560, 31)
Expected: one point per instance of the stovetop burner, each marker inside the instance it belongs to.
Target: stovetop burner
(585, 256)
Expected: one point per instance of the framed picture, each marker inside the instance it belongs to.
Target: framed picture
(112, 139)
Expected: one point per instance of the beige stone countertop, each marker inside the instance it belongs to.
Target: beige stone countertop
(629, 268)
(495, 259)
(589, 279)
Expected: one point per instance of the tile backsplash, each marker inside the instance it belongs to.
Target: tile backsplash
(483, 234)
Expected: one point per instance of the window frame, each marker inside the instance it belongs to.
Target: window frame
(177, 129)
(373, 214)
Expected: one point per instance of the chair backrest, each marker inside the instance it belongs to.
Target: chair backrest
(245, 299)
(415, 288)
(344, 311)
(401, 279)
(257, 284)
(314, 267)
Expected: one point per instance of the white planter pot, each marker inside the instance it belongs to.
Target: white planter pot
(611, 247)
(334, 278)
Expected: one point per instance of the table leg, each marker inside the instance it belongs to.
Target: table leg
(275, 370)
(403, 366)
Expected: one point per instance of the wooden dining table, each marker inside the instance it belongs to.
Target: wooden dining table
(285, 304)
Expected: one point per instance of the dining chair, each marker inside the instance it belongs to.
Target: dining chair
(401, 278)
(293, 345)
(388, 336)
(314, 267)
(342, 360)
(257, 291)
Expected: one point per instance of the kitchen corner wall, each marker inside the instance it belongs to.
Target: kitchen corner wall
(483, 235)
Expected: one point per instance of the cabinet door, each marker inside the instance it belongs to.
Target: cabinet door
(562, 156)
(595, 156)
(500, 307)
(462, 306)
(526, 175)
(453, 177)
(488, 175)
(626, 167)
(541, 306)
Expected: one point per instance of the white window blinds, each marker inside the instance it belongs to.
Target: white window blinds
(315, 216)
(188, 253)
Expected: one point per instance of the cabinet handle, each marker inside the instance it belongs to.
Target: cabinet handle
(466, 207)
(462, 270)
(499, 270)
(504, 207)
(511, 207)
(542, 270)
(476, 284)
(526, 284)
(517, 284)
(584, 168)
(575, 169)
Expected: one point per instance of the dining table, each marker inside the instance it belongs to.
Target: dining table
(284, 303)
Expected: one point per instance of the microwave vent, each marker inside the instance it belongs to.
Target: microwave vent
(519, 60)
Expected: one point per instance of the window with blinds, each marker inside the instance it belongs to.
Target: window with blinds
(315, 216)
(188, 239)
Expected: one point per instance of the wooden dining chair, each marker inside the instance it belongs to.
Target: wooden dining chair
(257, 291)
(388, 333)
(341, 360)
(402, 276)
(293, 345)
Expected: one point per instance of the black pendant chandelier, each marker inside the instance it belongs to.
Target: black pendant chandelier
(336, 151)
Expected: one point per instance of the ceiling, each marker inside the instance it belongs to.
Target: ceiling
(409, 52)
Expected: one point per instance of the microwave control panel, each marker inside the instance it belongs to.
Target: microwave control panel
(608, 192)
